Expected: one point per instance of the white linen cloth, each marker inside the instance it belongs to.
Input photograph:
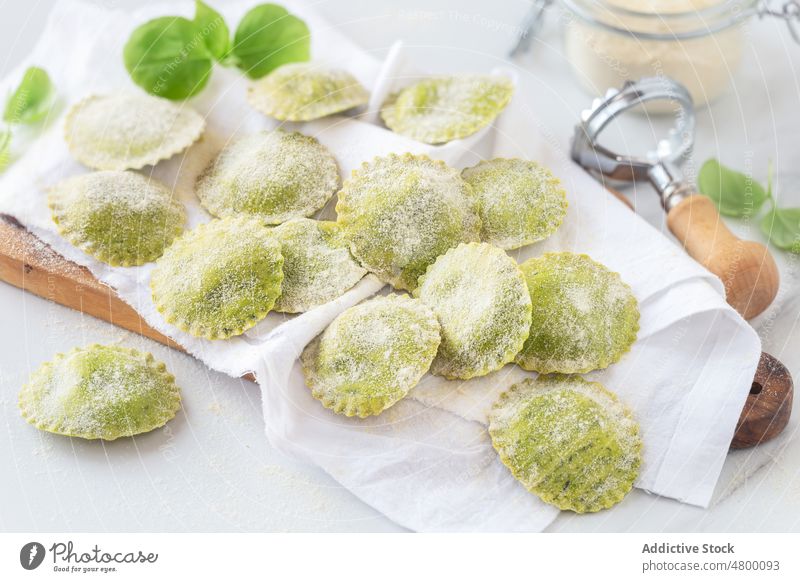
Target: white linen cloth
(426, 463)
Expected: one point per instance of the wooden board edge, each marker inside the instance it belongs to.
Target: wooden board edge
(31, 265)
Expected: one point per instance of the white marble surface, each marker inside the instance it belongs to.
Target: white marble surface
(211, 469)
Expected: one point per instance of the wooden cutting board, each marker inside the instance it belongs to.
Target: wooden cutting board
(28, 263)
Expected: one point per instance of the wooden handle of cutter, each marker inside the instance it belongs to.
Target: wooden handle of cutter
(746, 268)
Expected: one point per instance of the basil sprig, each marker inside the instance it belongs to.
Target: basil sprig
(29, 103)
(739, 195)
(32, 99)
(173, 57)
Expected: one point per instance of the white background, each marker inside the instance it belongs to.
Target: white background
(211, 469)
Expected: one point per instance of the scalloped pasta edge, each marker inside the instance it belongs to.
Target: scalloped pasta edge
(630, 337)
(344, 208)
(78, 154)
(389, 116)
(626, 422)
(147, 359)
(551, 180)
(282, 113)
(91, 248)
(196, 330)
(373, 406)
(485, 370)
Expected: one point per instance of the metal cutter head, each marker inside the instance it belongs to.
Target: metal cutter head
(672, 149)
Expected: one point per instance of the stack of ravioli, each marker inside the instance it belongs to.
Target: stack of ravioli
(437, 233)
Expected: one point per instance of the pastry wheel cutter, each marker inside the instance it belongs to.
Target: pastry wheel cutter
(746, 268)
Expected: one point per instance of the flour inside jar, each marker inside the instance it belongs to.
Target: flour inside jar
(700, 46)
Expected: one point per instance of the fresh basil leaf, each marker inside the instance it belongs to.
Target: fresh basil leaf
(168, 57)
(5, 149)
(268, 37)
(734, 193)
(32, 99)
(782, 227)
(213, 29)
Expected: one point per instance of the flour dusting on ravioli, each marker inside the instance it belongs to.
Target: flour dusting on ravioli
(584, 316)
(100, 392)
(317, 266)
(219, 279)
(274, 175)
(371, 355)
(479, 296)
(306, 91)
(400, 212)
(520, 201)
(121, 218)
(127, 131)
(442, 109)
(567, 440)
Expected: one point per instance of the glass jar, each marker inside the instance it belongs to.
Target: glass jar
(699, 43)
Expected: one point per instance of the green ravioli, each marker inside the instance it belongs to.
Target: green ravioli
(100, 392)
(400, 212)
(274, 175)
(219, 279)
(121, 218)
(569, 441)
(520, 201)
(317, 267)
(584, 316)
(442, 109)
(370, 356)
(479, 296)
(127, 131)
(306, 91)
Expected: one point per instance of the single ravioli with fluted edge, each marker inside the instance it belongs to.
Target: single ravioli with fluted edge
(441, 109)
(400, 212)
(306, 91)
(317, 265)
(275, 175)
(569, 441)
(585, 317)
(520, 201)
(371, 355)
(126, 131)
(100, 392)
(480, 298)
(119, 217)
(220, 279)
